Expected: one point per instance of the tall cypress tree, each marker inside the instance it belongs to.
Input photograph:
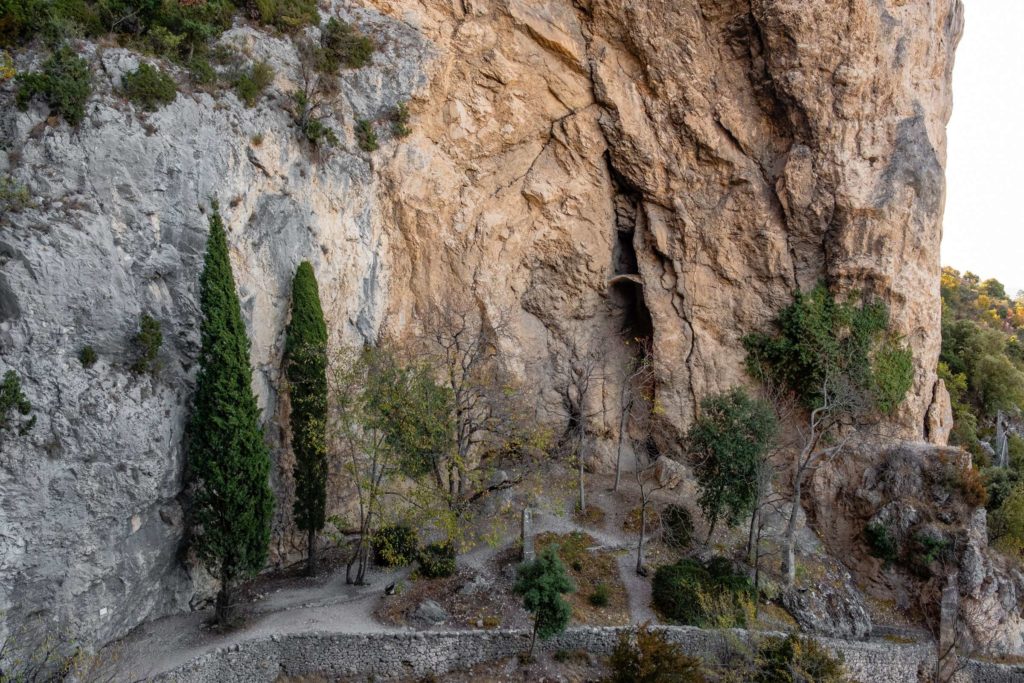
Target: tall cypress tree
(229, 460)
(305, 353)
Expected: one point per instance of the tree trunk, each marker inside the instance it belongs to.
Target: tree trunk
(750, 535)
(583, 495)
(789, 555)
(640, 545)
(311, 564)
(622, 441)
(223, 609)
(533, 641)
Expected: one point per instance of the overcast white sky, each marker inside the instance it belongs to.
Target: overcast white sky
(984, 223)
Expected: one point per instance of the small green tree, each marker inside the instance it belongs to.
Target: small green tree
(228, 458)
(305, 361)
(147, 342)
(65, 83)
(12, 398)
(149, 88)
(542, 583)
(728, 441)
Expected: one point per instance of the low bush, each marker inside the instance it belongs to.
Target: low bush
(65, 83)
(343, 45)
(796, 660)
(13, 400)
(288, 16)
(250, 84)
(600, 596)
(395, 545)
(87, 356)
(710, 595)
(928, 548)
(202, 73)
(149, 88)
(147, 342)
(14, 196)
(677, 526)
(651, 658)
(366, 136)
(880, 542)
(400, 121)
(437, 560)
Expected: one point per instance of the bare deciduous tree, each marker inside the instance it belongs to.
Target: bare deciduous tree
(636, 382)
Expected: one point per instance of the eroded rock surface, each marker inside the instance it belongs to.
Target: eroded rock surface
(596, 170)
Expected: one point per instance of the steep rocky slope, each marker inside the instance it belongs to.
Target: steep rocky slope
(713, 154)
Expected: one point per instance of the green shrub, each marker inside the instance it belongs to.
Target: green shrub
(149, 88)
(366, 135)
(395, 545)
(651, 658)
(65, 83)
(147, 342)
(287, 15)
(400, 121)
(690, 593)
(201, 72)
(880, 542)
(437, 560)
(797, 660)
(677, 523)
(818, 337)
(343, 45)
(601, 595)
(249, 85)
(13, 399)
(926, 550)
(87, 356)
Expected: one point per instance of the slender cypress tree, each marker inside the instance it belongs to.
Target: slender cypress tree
(228, 457)
(305, 353)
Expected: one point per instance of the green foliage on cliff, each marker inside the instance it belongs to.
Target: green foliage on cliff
(305, 360)
(228, 459)
(819, 340)
(65, 83)
(146, 346)
(149, 88)
(14, 406)
(343, 45)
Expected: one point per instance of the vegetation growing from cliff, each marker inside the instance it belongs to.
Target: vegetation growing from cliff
(146, 345)
(343, 45)
(728, 442)
(149, 88)
(843, 364)
(250, 83)
(65, 83)
(14, 406)
(228, 460)
(305, 362)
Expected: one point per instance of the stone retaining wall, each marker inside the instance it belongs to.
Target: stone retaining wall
(395, 655)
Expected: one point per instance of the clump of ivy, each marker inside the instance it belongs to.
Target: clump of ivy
(149, 88)
(65, 83)
(147, 342)
(366, 136)
(87, 356)
(251, 83)
(820, 339)
(13, 400)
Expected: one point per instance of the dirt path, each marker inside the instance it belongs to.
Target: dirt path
(298, 605)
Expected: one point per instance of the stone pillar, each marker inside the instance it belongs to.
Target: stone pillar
(527, 535)
(948, 608)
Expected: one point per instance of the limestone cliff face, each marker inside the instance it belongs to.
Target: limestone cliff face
(596, 170)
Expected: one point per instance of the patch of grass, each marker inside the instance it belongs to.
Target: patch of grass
(589, 569)
(594, 516)
(400, 121)
(631, 522)
(14, 196)
(250, 84)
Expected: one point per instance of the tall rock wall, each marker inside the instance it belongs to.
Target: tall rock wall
(594, 170)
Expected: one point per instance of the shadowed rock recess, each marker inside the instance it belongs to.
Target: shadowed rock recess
(594, 169)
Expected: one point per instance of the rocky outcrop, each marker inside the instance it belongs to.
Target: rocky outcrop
(595, 170)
